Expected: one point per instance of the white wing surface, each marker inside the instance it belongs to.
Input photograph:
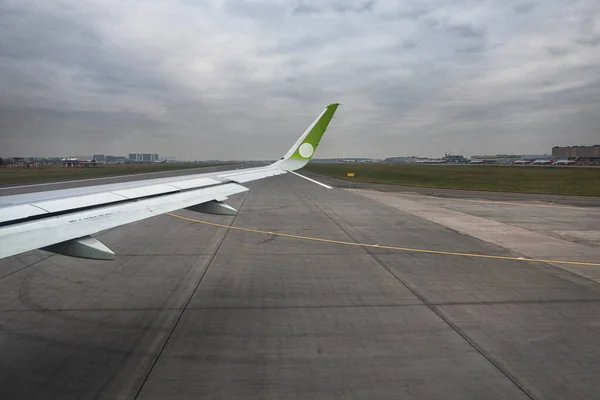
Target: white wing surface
(62, 221)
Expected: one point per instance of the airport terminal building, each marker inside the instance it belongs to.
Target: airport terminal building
(143, 157)
(589, 154)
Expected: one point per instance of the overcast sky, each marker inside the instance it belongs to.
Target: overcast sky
(241, 79)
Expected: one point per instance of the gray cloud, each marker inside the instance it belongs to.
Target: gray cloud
(362, 7)
(467, 31)
(558, 51)
(471, 49)
(192, 79)
(592, 41)
(524, 7)
(342, 7)
(409, 44)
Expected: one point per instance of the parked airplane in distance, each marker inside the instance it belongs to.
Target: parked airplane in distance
(61, 221)
(565, 162)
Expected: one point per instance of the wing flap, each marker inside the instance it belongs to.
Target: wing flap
(21, 211)
(193, 183)
(145, 191)
(31, 235)
(58, 205)
(55, 204)
(254, 175)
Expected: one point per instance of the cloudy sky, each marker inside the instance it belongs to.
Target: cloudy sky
(241, 79)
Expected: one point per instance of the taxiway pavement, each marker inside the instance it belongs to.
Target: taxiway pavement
(189, 310)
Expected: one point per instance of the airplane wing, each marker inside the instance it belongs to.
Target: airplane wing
(61, 221)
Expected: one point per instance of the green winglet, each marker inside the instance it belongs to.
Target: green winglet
(303, 150)
(311, 141)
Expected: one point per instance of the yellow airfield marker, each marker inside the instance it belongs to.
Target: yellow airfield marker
(406, 249)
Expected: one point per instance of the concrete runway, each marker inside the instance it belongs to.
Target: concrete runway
(189, 310)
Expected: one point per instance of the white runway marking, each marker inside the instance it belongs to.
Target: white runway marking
(312, 180)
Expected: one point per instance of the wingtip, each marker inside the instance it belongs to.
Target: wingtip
(304, 148)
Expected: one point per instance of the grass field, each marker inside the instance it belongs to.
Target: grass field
(547, 180)
(59, 173)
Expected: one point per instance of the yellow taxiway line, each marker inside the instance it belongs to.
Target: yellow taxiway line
(378, 246)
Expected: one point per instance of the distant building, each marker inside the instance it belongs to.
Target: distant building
(430, 161)
(404, 160)
(323, 160)
(455, 159)
(589, 154)
(99, 157)
(147, 157)
(143, 157)
(357, 160)
(74, 162)
(495, 159)
(53, 160)
(115, 159)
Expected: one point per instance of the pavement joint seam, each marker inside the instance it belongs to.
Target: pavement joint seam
(26, 267)
(184, 308)
(385, 247)
(316, 306)
(431, 307)
(232, 254)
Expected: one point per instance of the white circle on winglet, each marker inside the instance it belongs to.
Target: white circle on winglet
(306, 150)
